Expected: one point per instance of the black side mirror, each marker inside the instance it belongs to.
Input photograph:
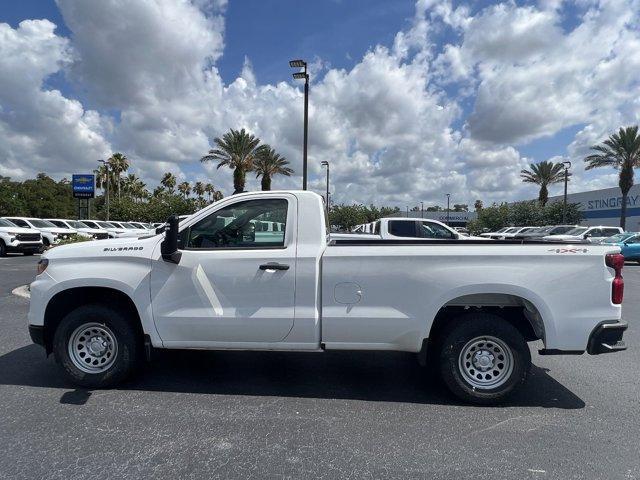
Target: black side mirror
(169, 246)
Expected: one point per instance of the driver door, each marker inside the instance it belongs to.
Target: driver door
(235, 282)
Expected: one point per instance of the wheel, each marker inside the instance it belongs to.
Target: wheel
(3, 249)
(96, 346)
(483, 358)
(45, 242)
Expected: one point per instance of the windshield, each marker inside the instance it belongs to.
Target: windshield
(41, 223)
(577, 231)
(620, 237)
(511, 230)
(128, 225)
(105, 225)
(6, 223)
(76, 224)
(560, 230)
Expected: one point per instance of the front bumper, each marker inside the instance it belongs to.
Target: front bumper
(36, 332)
(20, 247)
(607, 338)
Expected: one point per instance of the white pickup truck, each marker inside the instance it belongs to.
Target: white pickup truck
(215, 281)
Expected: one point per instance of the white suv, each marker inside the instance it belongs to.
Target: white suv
(581, 234)
(16, 239)
(81, 228)
(50, 232)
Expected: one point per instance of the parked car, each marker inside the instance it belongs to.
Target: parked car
(81, 228)
(50, 232)
(497, 232)
(211, 282)
(629, 244)
(585, 234)
(17, 239)
(511, 234)
(399, 228)
(130, 230)
(541, 232)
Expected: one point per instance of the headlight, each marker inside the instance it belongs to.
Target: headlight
(13, 233)
(42, 265)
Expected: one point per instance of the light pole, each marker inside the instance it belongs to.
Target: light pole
(421, 209)
(567, 166)
(407, 211)
(448, 197)
(106, 190)
(303, 75)
(324, 163)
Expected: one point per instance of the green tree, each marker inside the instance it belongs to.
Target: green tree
(460, 207)
(169, 181)
(198, 189)
(622, 152)
(269, 163)
(185, 189)
(210, 190)
(543, 174)
(236, 150)
(477, 206)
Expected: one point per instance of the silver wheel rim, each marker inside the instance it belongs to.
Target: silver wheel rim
(93, 348)
(486, 362)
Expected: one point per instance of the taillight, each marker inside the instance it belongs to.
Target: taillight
(616, 261)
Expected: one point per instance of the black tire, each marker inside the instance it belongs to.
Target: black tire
(45, 242)
(3, 249)
(128, 352)
(473, 327)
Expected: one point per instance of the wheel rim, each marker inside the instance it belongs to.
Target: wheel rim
(486, 362)
(93, 347)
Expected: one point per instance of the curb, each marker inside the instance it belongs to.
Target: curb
(22, 291)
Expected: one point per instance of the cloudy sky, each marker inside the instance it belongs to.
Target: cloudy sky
(409, 100)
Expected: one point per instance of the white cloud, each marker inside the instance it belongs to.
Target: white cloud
(40, 129)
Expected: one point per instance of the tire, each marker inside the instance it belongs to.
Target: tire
(104, 335)
(483, 358)
(3, 249)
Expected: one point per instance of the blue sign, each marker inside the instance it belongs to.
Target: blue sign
(84, 186)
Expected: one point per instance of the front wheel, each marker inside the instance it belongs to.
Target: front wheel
(483, 358)
(96, 346)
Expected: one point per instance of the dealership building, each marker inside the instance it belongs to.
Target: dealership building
(602, 207)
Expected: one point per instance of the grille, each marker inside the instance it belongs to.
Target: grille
(101, 236)
(28, 237)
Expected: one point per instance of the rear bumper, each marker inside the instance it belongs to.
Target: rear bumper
(607, 338)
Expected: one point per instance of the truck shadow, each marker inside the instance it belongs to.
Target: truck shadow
(369, 376)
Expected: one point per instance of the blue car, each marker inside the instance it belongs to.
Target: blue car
(629, 244)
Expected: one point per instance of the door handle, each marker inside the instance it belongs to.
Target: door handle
(274, 266)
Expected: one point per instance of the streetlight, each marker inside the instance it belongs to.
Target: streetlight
(324, 163)
(421, 209)
(407, 211)
(106, 190)
(448, 197)
(567, 166)
(303, 76)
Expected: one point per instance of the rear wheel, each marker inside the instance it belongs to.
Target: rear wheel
(483, 358)
(3, 249)
(96, 346)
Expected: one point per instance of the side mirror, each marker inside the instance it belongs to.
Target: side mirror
(169, 246)
(587, 235)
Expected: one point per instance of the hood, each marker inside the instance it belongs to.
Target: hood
(127, 247)
(18, 230)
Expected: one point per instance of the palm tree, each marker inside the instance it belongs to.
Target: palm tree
(269, 163)
(119, 163)
(168, 181)
(210, 190)
(217, 195)
(185, 189)
(543, 174)
(198, 189)
(622, 152)
(236, 150)
(104, 175)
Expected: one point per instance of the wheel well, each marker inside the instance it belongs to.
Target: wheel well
(64, 302)
(518, 311)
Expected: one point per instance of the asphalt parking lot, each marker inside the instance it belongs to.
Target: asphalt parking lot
(330, 415)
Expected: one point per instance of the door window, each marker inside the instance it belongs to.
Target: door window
(249, 224)
(633, 240)
(402, 228)
(607, 232)
(433, 230)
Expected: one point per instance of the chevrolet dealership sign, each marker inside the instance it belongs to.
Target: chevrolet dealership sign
(83, 185)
